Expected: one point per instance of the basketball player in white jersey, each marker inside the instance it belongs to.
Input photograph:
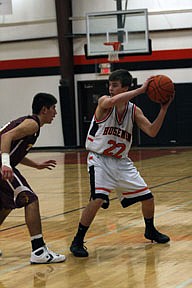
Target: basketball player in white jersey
(108, 142)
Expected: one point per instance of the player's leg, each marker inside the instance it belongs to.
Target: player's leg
(90, 211)
(33, 222)
(135, 190)
(25, 197)
(99, 180)
(6, 201)
(40, 252)
(77, 247)
(151, 232)
(3, 215)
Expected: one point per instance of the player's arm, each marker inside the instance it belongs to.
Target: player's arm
(42, 165)
(151, 129)
(27, 127)
(106, 102)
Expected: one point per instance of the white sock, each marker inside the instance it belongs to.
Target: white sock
(36, 236)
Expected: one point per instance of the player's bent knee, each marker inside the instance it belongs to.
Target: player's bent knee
(104, 200)
(149, 200)
(25, 198)
(126, 202)
(99, 201)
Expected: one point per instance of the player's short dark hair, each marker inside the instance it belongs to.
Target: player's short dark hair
(42, 99)
(123, 76)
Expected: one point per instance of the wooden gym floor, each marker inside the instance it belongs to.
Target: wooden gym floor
(120, 256)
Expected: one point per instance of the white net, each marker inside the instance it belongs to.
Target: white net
(113, 56)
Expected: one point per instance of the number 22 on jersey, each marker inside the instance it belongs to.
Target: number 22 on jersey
(119, 147)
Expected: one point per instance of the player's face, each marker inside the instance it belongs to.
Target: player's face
(50, 113)
(116, 88)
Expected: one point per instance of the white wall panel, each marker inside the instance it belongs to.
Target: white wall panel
(30, 10)
(5, 7)
(28, 31)
(29, 49)
(81, 7)
(29, 19)
(171, 40)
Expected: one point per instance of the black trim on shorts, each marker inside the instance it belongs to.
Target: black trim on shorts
(130, 201)
(94, 196)
(92, 181)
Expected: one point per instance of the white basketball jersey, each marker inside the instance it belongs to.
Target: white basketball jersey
(112, 136)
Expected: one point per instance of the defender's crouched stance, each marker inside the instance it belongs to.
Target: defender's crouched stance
(16, 138)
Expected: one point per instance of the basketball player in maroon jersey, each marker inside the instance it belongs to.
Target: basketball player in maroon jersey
(108, 142)
(16, 139)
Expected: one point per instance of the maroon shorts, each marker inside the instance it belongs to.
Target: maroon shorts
(17, 193)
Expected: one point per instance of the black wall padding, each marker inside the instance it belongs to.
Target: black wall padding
(67, 116)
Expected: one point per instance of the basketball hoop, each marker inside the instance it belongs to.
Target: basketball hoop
(113, 56)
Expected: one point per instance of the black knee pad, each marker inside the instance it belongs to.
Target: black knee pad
(105, 204)
(24, 198)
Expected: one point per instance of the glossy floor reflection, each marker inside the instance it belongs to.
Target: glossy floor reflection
(120, 256)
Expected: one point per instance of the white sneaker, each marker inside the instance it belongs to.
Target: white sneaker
(46, 256)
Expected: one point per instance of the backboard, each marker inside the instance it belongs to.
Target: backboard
(129, 27)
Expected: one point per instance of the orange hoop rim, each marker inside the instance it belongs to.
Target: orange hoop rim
(116, 45)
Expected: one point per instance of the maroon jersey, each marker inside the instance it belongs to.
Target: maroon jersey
(21, 147)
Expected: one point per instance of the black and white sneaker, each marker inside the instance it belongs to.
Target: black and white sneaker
(45, 256)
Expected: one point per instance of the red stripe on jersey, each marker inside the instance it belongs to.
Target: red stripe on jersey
(91, 157)
(105, 117)
(135, 192)
(134, 109)
(121, 116)
(104, 189)
(90, 139)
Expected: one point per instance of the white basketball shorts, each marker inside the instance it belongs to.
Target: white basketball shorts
(107, 174)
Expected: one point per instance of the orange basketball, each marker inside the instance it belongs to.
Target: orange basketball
(160, 89)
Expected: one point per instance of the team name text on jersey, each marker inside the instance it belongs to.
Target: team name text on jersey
(117, 132)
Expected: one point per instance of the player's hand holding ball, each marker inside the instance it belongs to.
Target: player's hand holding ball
(160, 89)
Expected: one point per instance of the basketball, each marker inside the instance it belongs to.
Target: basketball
(160, 89)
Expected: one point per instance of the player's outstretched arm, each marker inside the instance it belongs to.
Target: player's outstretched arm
(49, 164)
(106, 102)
